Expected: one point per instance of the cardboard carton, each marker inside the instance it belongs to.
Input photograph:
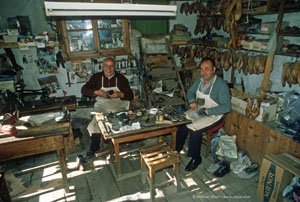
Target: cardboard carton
(276, 172)
(269, 27)
(267, 111)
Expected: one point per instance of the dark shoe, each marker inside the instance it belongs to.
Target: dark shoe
(193, 164)
(178, 150)
(90, 154)
(223, 170)
(80, 159)
(77, 133)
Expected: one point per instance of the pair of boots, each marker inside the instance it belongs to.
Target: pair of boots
(94, 146)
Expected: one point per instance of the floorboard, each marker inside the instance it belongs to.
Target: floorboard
(96, 183)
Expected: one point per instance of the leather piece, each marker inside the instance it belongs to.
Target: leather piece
(238, 10)
(284, 74)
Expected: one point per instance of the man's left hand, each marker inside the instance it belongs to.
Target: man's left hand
(117, 95)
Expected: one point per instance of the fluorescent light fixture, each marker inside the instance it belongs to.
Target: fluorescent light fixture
(107, 9)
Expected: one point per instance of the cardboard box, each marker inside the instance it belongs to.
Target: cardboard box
(267, 111)
(276, 172)
(280, 43)
(238, 105)
(269, 27)
(258, 6)
(251, 45)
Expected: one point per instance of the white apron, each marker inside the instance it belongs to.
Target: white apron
(203, 121)
(107, 105)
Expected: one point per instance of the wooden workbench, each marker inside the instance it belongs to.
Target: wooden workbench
(54, 103)
(49, 137)
(134, 135)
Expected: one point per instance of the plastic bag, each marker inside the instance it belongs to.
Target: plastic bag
(291, 112)
(214, 144)
(227, 146)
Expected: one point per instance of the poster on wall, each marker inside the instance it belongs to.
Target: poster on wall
(46, 61)
(50, 83)
(81, 71)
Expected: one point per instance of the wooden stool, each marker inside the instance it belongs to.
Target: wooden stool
(208, 135)
(157, 157)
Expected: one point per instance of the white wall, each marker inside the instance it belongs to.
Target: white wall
(34, 9)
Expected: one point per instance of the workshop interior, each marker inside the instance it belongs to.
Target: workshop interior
(179, 59)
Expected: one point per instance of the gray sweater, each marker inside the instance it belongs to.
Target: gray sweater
(220, 94)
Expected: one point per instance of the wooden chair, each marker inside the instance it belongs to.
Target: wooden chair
(208, 135)
(155, 158)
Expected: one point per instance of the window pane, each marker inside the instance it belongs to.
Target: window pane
(111, 38)
(78, 24)
(109, 23)
(81, 41)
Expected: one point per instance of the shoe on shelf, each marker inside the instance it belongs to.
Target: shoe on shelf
(213, 167)
(249, 172)
(223, 170)
(193, 164)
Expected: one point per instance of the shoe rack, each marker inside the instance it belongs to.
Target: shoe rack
(161, 70)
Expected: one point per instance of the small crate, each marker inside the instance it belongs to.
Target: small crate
(10, 38)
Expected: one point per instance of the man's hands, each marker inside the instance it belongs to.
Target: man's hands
(115, 94)
(193, 106)
(100, 93)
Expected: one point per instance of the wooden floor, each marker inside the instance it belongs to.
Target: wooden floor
(96, 182)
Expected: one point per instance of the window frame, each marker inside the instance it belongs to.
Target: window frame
(98, 52)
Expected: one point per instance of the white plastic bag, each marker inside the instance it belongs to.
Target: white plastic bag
(227, 146)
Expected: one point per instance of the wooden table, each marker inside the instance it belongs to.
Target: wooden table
(37, 140)
(129, 136)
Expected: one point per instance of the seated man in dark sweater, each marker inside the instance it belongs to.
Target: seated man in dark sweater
(112, 92)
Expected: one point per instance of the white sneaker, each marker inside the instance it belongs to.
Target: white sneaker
(249, 172)
(239, 165)
(213, 167)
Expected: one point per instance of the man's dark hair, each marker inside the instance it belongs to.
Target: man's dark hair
(212, 61)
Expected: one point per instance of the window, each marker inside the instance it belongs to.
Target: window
(88, 38)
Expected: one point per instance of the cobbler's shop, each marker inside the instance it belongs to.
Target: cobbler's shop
(204, 105)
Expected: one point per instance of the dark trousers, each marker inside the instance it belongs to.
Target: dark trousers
(195, 140)
(95, 142)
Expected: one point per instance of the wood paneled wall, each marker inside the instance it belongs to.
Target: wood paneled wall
(258, 139)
